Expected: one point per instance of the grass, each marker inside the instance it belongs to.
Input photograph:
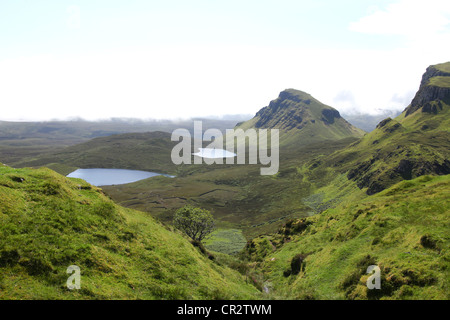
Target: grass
(237, 195)
(228, 241)
(48, 222)
(440, 82)
(338, 204)
(443, 66)
(403, 230)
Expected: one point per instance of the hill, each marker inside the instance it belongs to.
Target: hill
(338, 205)
(25, 140)
(49, 222)
(403, 230)
(415, 143)
(434, 90)
(301, 120)
(149, 151)
(383, 200)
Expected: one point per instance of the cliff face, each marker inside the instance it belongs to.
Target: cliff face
(431, 93)
(408, 146)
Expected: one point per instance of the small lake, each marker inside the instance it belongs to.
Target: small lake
(214, 153)
(108, 177)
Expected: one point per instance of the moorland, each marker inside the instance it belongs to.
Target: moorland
(343, 199)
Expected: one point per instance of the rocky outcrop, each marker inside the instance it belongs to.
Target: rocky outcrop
(329, 115)
(383, 123)
(285, 111)
(429, 96)
(302, 120)
(376, 180)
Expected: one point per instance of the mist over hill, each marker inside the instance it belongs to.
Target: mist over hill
(368, 122)
(342, 201)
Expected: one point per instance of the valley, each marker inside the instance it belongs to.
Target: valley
(341, 201)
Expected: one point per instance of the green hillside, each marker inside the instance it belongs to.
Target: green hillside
(340, 202)
(415, 143)
(49, 222)
(237, 195)
(383, 200)
(403, 230)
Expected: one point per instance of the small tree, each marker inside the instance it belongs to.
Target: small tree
(195, 222)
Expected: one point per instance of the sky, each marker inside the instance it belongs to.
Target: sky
(170, 59)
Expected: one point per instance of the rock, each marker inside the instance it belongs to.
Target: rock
(329, 115)
(428, 93)
(383, 123)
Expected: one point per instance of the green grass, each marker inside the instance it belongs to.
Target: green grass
(402, 148)
(228, 241)
(342, 204)
(443, 66)
(49, 222)
(237, 195)
(440, 82)
(403, 230)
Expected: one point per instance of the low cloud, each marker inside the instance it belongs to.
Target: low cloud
(403, 99)
(345, 101)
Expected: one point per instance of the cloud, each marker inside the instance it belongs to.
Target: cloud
(403, 99)
(410, 18)
(345, 101)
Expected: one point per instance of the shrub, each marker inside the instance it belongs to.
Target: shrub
(195, 222)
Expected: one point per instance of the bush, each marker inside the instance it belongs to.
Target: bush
(195, 222)
(297, 264)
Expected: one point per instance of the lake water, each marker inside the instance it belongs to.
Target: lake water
(108, 177)
(214, 153)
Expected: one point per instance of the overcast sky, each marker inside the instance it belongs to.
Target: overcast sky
(175, 59)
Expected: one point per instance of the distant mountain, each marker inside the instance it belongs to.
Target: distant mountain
(368, 122)
(28, 140)
(149, 151)
(301, 120)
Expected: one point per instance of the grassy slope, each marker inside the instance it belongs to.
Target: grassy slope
(374, 162)
(48, 222)
(238, 195)
(443, 66)
(440, 82)
(403, 230)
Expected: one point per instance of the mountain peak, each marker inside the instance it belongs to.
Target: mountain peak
(294, 109)
(434, 90)
(294, 95)
(300, 114)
